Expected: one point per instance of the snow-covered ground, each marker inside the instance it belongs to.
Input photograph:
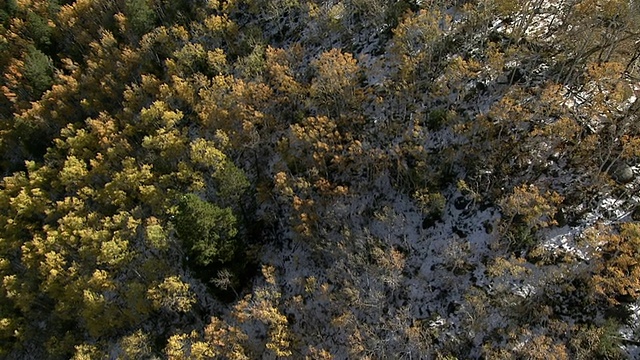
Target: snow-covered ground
(378, 257)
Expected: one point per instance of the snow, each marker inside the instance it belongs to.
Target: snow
(443, 263)
(563, 240)
(432, 254)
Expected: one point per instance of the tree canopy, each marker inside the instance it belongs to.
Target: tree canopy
(310, 179)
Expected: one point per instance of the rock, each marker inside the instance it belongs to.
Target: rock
(623, 174)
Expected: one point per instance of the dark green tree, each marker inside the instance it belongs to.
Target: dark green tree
(140, 15)
(206, 230)
(38, 70)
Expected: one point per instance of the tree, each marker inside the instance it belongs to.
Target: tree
(617, 269)
(172, 294)
(140, 15)
(262, 308)
(207, 231)
(526, 211)
(38, 70)
(336, 81)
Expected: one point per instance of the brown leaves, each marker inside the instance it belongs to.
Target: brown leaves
(618, 262)
(337, 73)
(536, 209)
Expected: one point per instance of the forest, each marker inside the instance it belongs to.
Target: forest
(304, 179)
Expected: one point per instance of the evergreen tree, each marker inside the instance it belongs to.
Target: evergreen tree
(207, 231)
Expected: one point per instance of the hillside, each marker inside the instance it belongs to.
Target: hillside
(253, 179)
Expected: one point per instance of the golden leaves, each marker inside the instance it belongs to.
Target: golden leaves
(73, 172)
(205, 153)
(618, 261)
(535, 208)
(279, 67)
(172, 294)
(188, 346)
(337, 73)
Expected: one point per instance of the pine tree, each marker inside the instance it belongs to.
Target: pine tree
(207, 231)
